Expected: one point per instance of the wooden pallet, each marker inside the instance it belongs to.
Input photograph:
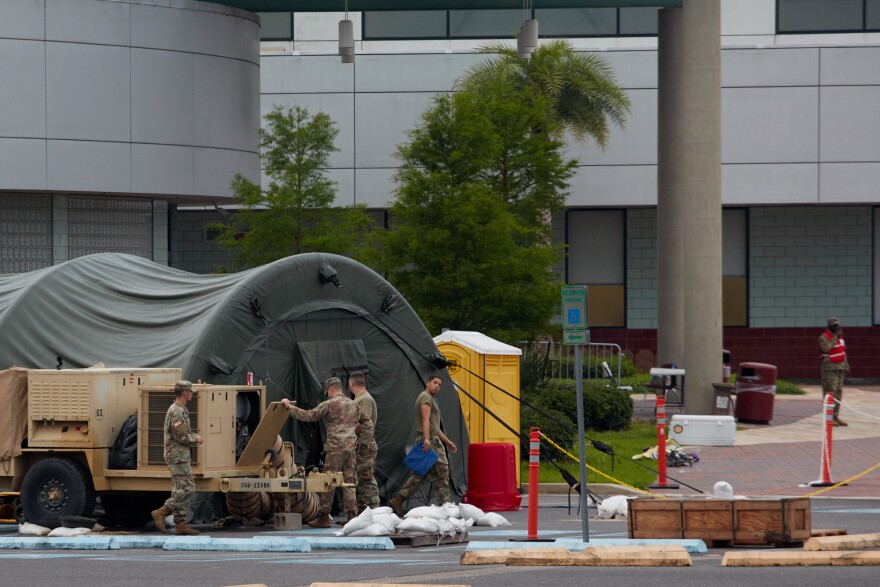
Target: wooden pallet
(428, 540)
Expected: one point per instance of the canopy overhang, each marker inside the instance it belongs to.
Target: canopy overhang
(419, 5)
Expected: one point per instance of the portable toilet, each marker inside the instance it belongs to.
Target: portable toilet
(479, 364)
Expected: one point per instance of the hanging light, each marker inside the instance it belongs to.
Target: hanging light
(527, 40)
(346, 38)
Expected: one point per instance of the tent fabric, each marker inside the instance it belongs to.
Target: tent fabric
(282, 321)
(13, 416)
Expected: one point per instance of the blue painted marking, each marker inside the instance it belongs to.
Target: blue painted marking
(521, 534)
(351, 561)
(848, 511)
(690, 545)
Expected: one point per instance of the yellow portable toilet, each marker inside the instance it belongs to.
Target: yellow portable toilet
(476, 358)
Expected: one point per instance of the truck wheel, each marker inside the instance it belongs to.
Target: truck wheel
(56, 487)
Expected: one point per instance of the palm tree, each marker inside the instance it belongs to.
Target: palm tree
(580, 86)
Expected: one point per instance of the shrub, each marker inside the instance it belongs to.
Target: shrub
(605, 408)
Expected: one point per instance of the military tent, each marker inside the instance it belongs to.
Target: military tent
(292, 323)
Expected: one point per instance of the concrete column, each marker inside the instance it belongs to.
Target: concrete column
(670, 190)
(693, 167)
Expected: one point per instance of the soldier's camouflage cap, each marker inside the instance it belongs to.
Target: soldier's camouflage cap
(332, 382)
(183, 384)
(833, 320)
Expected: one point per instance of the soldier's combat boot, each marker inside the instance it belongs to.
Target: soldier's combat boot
(181, 529)
(322, 522)
(839, 422)
(159, 517)
(396, 504)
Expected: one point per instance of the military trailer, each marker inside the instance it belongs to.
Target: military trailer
(74, 417)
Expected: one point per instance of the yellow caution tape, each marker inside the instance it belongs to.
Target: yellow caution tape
(844, 482)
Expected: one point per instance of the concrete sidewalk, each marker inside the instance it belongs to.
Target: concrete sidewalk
(776, 459)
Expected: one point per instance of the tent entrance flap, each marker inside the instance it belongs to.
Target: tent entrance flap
(314, 362)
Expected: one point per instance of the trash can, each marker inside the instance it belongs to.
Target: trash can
(723, 401)
(492, 477)
(755, 392)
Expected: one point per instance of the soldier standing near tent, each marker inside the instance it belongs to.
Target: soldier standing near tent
(179, 437)
(429, 436)
(367, 450)
(344, 421)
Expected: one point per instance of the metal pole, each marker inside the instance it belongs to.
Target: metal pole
(579, 386)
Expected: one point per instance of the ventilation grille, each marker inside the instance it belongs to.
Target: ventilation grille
(157, 406)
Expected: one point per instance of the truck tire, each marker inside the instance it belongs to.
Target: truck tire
(56, 487)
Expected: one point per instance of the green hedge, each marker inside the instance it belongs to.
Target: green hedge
(605, 408)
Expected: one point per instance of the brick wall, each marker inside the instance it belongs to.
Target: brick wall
(794, 351)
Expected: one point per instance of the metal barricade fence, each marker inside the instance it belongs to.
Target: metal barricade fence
(559, 359)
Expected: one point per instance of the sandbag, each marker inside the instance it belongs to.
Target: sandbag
(390, 521)
(427, 511)
(359, 523)
(492, 519)
(29, 529)
(418, 525)
(372, 530)
(63, 532)
(469, 511)
(614, 506)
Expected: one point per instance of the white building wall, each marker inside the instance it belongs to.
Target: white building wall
(128, 97)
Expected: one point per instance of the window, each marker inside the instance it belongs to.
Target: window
(276, 26)
(597, 259)
(818, 16)
(735, 266)
(405, 24)
(504, 24)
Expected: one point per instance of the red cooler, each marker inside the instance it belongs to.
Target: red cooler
(492, 477)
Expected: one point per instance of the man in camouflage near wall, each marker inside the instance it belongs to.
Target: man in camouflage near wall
(834, 364)
(179, 437)
(427, 414)
(367, 450)
(343, 421)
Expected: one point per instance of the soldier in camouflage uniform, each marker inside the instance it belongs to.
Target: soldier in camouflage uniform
(367, 450)
(834, 364)
(343, 421)
(178, 440)
(429, 436)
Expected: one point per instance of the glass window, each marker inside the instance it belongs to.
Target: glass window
(577, 22)
(405, 24)
(819, 15)
(639, 21)
(484, 24)
(276, 26)
(872, 15)
(596, 258)
(734, 263)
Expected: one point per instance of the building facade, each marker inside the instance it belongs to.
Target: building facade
(800, 145)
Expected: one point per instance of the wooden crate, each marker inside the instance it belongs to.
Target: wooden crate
(752, 521)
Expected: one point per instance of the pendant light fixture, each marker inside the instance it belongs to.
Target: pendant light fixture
(346, 38)
(527, 40)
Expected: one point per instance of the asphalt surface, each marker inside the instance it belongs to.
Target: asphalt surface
(766, 460)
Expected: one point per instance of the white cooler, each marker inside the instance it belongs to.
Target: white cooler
(702, 430)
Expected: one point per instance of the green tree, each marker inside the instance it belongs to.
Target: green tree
(469, 245)
(294, 213)
(583, 94)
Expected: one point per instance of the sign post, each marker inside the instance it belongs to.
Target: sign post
(575, 326)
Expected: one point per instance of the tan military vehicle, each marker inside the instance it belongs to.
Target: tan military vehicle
(59, 456)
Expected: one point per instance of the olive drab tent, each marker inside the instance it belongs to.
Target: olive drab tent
(291, 323)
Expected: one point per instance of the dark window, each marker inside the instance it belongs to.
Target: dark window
(577, 22)
(805, 16)
(872, 15)
(639, 21)
(484, 23)
(276, 26)
(505, 24)
(405, 24)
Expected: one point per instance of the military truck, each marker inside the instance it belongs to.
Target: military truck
(74, 417)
